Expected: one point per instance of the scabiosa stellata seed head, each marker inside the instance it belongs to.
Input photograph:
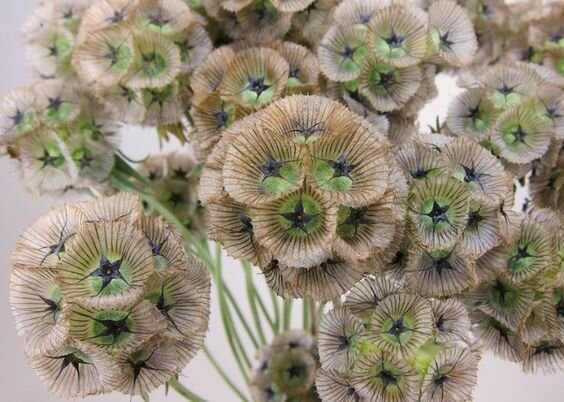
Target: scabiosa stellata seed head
(517, 307)
(387, 344)
(61, 138)
(138, 56)
(107, 298)
(286, 369)
(310, 191)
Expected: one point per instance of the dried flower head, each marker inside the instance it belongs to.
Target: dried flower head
(107, 298)
(60, 137)
(310, 191)
(390, 345)
(286, 369)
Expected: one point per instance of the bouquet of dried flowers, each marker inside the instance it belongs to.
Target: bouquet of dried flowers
(411, 250)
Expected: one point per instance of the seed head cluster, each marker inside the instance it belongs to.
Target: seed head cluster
(107, 299)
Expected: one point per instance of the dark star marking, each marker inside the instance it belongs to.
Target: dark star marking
(257, 84)
(299, 219)
(108, 271)
(341, 167)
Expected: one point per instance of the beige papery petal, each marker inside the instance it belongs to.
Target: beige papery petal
(184, 307)
(297, 229)
(262, 23)
(451, 377)
(115, 329)
(365, 231)
(367, 294)
(397, 36)
(339, 333)
(452, 323)
(145, 368)
(326, 281)
(165, 243)
(38, 309)
(401, 324)
(453, 33)
(334, 386)
(440, 272)
(74, 371)
(106, 265)
(42, 244)
(124, 207)
(438, 208)
(260, 167)
(229, 223)
(208, 75)
(255, 77)
(478, 168)
(353, 167)
(384, 376)
(306, 119)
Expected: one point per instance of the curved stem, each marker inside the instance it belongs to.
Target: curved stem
(252, 301)
(185, 392)
(287, 313)
(306, 318)
(232, 336)
(222, 374)
(313, 316)
(276, 308)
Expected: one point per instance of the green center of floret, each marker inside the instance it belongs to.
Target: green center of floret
(437, 214)
(153, 63)
(52, 156)
(108, 271)
(115, 326)
(521, 258)
(278, 176)
(301, 216)
(350, 220)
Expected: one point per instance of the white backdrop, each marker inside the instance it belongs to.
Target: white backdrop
(498, 381)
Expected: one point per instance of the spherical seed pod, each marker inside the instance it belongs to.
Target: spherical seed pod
(142, 304)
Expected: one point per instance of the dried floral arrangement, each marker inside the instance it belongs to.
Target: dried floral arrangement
(411, 250)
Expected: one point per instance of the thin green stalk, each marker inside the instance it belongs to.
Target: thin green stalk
(230, 332)
(264, 310)
(231, 323)
(252, 301)
(276, 309)
(305, 315)
(287, 313)
(241, 317)
(185, 392)
(313, 316)
(222, 374)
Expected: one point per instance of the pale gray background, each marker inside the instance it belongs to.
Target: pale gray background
(498, 381)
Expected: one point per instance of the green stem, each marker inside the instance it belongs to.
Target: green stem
(222, 374)
(252, 301)
(305, 305)
(287, 313)
(241, 317)
(185, 392)
(276, 308)
(230, 331)
(264, 310)
(313, 316)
